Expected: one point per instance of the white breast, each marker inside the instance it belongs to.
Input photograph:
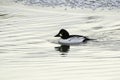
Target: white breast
(72, 40)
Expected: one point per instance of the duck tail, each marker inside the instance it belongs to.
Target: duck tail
(90, 39)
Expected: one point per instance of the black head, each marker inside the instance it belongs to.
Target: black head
(63, 34)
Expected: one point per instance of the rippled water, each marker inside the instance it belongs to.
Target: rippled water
(92, 4)
(28, 50)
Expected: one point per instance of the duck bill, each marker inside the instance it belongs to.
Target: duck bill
(57, 35)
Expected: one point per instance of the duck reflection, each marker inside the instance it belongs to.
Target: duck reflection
(63, 48)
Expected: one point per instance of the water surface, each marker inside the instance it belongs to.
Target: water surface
(28, 50)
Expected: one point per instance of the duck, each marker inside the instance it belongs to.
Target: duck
(66, 38)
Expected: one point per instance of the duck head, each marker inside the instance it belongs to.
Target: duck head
(63, 34)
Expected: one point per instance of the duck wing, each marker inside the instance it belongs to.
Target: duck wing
(85, 38)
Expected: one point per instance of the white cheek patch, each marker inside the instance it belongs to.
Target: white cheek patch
(60, 35)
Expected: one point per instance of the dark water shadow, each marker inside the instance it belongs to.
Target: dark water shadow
(3, 14)
(97, 27)
(92, 17)
(64, 49)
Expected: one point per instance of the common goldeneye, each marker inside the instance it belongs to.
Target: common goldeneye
(70, 39)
